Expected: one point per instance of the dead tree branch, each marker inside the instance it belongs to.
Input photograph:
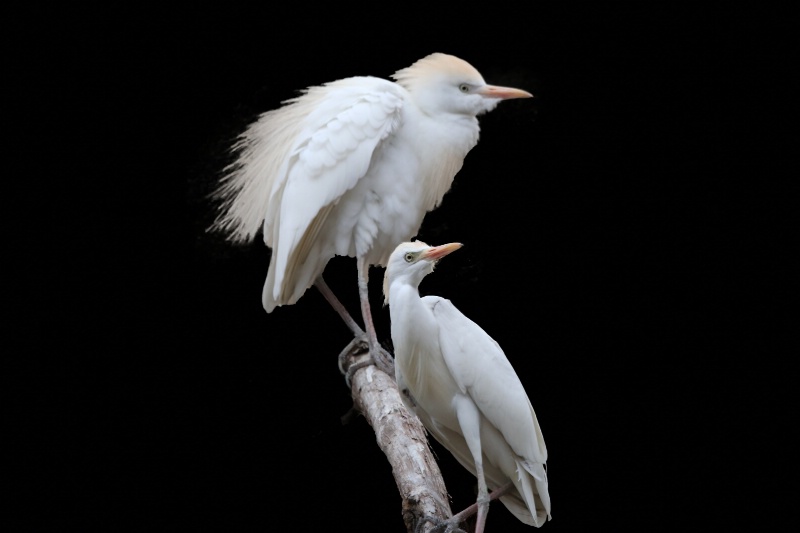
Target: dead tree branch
(401, 436)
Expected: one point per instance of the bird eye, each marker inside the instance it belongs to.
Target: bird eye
(409, 257)
(464, 88)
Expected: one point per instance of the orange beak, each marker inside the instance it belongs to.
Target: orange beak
(437, 252)
(506, 93)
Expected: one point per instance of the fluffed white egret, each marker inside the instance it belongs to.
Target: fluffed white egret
(350, 168)
(458, 381)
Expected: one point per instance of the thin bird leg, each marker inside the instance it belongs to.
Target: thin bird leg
(358, 333)
(337, 305)
(483, 499)
(469, 418)
(380, 356)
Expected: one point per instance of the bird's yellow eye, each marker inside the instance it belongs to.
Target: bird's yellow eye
(464, 88)
(409, 257)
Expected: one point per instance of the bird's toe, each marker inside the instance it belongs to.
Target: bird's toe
(356, 346)
(439, 526)
(383, 360)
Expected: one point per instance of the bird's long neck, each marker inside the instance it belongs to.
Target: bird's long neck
(404, 300)
(409, 322)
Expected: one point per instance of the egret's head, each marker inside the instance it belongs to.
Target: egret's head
(412, 261)
(445, 83)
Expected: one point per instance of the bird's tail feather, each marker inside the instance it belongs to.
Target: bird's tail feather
(532, 486)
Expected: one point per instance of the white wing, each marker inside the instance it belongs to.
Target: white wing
(329, 158)
(295, 162)
(481, 370)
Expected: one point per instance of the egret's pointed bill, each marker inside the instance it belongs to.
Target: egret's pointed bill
(506, 93)
(437, 252)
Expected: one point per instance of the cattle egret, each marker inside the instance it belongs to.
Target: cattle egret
(458, 381)
(350, 168)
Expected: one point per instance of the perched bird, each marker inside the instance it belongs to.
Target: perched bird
(350, 168)
(458, 381)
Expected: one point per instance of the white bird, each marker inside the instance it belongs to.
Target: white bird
(350, 168)
(458, 381)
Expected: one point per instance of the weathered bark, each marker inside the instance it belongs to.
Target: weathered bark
(401, 436)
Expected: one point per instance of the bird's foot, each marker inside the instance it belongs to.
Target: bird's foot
(357, 346)
(383, 360)
(479, 508)
(451, 525)
(379, 357)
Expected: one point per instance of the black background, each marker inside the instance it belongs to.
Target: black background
(620, 232)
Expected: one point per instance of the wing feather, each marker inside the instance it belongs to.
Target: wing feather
(332, 117)
(481, 369)
(295, 162)
(327, 161)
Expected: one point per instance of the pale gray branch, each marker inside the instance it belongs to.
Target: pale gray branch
(401, 436)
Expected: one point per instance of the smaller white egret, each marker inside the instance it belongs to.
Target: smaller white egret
(458, 381)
